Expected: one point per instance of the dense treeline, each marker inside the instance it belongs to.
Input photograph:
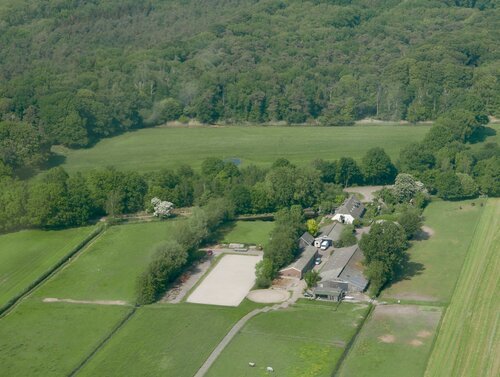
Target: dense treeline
(447, 165)
(73, 72)
(56, 199)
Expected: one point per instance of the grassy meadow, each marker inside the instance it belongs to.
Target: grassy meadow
(305, 340)
(249, 232)
(395, 341)
(165, 339)
(468, 343)
(168, 147)
(26, 255)
(109, 268)
(52, 339)
(435, 263)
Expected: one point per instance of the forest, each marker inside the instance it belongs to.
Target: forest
(74, 71)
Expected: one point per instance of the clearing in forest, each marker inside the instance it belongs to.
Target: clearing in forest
(168, 147)
(468, 343)
(249, 232)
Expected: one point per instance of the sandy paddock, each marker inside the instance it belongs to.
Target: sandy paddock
(228, 283)
(268, 296)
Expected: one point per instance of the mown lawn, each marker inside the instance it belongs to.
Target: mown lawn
(165, 340)
(435, 263)
(306, 340)
(154, 148)
(394, 342)
(468, 343)
(42, 339)
(109, 268)
(249, 232)
(26, 255)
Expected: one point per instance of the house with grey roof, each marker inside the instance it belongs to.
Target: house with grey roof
(349, 211)
(302, 264)
(344, 271)
(306, 240)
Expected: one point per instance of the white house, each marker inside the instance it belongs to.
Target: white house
(349, 211)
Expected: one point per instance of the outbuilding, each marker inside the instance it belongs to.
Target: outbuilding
(304, 263)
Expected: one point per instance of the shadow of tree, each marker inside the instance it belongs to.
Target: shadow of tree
(481, 134)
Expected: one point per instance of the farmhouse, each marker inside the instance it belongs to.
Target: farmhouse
(329, 233)
(303, 264)
(349, 211)
(342, 272)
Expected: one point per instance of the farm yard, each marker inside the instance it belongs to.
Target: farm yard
(468, 343)
(109, 268)
(395, 341)
(435, 263)
(168, 147)
(249, 232)
(307, 339)
(165, 339)
(52, 339)
(26, 255)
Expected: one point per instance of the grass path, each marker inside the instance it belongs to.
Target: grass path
(468, 343)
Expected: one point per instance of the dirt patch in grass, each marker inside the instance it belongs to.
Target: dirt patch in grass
(388, 338)
(424, 334)
(95, 302)
(416, 343)
(424, 234)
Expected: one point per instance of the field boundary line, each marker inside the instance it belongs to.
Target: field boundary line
(4, 310)
(462, 268)
(351, 342)
(103, 342)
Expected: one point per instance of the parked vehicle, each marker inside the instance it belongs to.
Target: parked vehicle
(317, 261)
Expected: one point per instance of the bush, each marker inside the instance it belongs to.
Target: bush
(167, 263)
(347, 237)
(265, 273)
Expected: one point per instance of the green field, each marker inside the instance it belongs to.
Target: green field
(154, 148)
(468, 343)
(165, 340)
(394, 342)
(249, 232)
(306, 340)
(38, 339)
(436, 262)
(26, 255)
(109, 268)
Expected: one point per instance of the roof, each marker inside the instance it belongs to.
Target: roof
(337, 262)
(351, 206)
(306, 239)
(353, 271)
(332, 231)
(303, 261)
(333, 285)
(345, 265)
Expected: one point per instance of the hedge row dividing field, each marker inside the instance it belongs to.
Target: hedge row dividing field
(41, 339)
(28, 254)
(109, 268)
(168, 147)
(165, 339)
(468, 343)
(305, 340)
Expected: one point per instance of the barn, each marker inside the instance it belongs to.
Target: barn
(349, 211)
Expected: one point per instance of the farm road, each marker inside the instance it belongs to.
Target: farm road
(296, 294)
(366, 191)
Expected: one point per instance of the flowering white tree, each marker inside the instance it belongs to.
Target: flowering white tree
(162, 208)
